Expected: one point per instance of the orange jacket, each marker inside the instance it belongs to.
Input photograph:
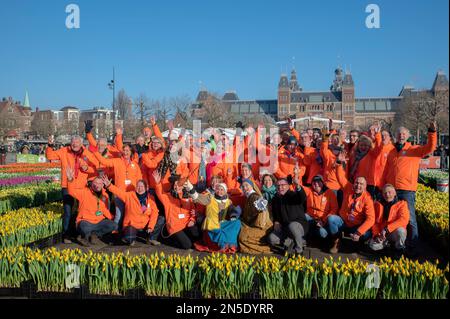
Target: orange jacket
(69, 159)
(403, 168)
(313, 168)
(177, 211)
(329, 169)
(287, 162)
(126, 173)
(398, 217)
(319, 206)
(355, 211)
(90, 204)
(134, 216)
(150, 160)
(381, 156)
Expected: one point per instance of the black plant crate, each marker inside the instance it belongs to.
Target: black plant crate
(75, 293)
(129, 294)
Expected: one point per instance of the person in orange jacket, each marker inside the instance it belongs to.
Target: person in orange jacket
(321, 202)
(329, 152)
(152, 158)
(126, 175)
(403, 173)
(180, 211)
(383, 147)
(362, 160)
(70, 156)
(313, 160)
(93, 218)
(102, 145)
(141, 213)
(391, 220)
(288, 159)
(357, 214)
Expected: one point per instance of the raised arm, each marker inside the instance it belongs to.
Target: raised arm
(340, 174)
(108, 162)
(428, 148)
(50, 153)
(114, 189)
(74, 191)
(91, 139)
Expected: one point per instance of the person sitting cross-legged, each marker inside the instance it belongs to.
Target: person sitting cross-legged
(141, 213)
(93, 218)
(392, 218)
(357, 214)
(221, 225)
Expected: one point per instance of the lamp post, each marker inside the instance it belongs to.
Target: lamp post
(112, 86)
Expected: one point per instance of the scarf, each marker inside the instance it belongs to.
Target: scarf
(269, 193)
(142, 198)
(387, 207)
(167, 164)
(220, 198)
(358, 157)
(77, 161)
(399, 146)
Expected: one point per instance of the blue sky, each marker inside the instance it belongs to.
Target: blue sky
(164, 48)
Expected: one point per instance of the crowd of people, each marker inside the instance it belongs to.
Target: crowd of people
(251, 193)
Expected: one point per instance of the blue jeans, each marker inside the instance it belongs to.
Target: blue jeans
(120, 212)
(68, 203)
(321, 231)
(410, 198)
(130, 233)
(336, 225)
(104, 227)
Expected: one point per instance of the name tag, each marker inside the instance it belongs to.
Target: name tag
(128, 182)
(181, 216)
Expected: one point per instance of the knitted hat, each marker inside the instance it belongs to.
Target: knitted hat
(318, 178)
(223, 185)
(292, 140)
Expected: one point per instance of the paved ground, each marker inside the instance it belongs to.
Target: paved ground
(348, 250)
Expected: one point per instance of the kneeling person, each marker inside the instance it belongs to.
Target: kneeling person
(93, 218)
(141, 213)
(391, 220)
(290, 223)
(357, 213)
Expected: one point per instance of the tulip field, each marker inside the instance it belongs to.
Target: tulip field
(31, 210)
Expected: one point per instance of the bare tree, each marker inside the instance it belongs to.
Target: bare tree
(123, 105)
(418, 110)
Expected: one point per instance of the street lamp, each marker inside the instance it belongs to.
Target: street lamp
(112, 86)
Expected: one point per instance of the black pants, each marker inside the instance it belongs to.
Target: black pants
(185, 238)
(375, 192)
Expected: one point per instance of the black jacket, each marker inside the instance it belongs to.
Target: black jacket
(290, 208)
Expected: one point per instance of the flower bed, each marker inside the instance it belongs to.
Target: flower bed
(20, 180)
(222, 276)
(29, 196)
(27, 225)
(432, 215)
(429, 177)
